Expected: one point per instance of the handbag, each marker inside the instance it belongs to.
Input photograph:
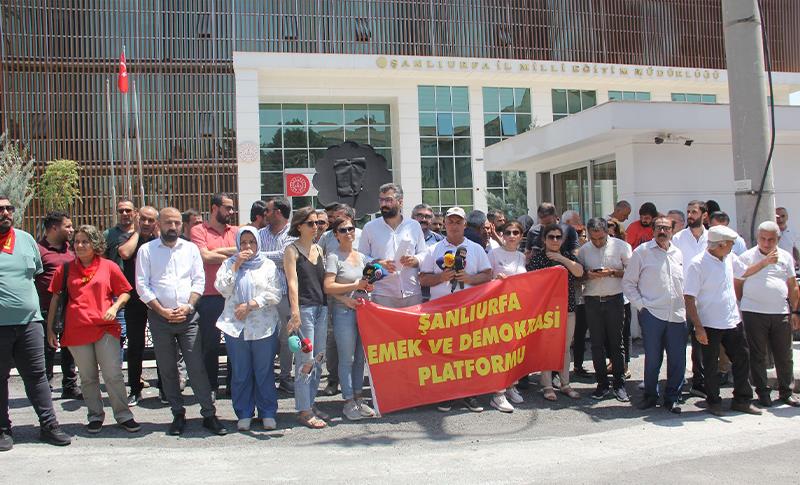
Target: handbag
(61, 308)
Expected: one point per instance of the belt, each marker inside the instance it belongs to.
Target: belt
(603, 299)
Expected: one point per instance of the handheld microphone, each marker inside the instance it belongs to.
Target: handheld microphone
(298, 342)
(446, 261)
(373, 272)
(459, 264)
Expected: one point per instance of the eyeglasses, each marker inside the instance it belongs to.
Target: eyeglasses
(345, 230)
(663, 228)
(124, 211)
(386, 200)
(554, 237)
(321, 223)
(423, 216)
(8, 208)
(311, 223)
(512, 233)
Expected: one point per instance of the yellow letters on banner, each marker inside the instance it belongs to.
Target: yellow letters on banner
(477, 311)
(391, 351)
(465, 369)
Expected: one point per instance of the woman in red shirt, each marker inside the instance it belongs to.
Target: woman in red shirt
(91, 330)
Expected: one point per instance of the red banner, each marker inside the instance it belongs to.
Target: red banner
(476, 341)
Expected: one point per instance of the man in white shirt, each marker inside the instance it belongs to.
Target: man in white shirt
(398, 245)
(721, 218)
(653, 283)
(170, 279)
(788, 241)
(444, 281)
(710, 302)
(692, 241)
(604, 260)
(769, 297)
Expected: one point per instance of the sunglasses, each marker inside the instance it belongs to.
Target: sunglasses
(124, 211)
(423, 216)
(512, 233)
(310, 224)
(554, 237)
(663, 228)
(345, 230)
(8, 208)
(321, 223)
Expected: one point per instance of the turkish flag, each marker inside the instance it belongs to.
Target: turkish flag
(122, 78)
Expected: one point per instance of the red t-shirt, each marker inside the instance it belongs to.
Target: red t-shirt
(205, 237)
(637, 234)
(88, 302)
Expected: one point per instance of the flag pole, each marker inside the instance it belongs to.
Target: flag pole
(128, 174)
(111, 146)
(138, 141)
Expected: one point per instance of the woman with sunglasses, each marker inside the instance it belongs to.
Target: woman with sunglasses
(506, 261)
(344, 270)
(554, 254)
(249, 323)
(304, 266)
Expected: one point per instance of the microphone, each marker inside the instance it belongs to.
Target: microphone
(459, 264)
(373, 272)
(446, 261)
(298, 342)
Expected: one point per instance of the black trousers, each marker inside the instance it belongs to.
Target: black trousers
(23, 345)
(69, 373)
(209, 308)
(606, 319)
(136, 319)
(698, 373)
(626, 334)
(765, 333)
(579, 341)
(736, 347)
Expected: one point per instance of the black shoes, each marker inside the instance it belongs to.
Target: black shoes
(53, 435)
(745, 407)
(72, 393)
(715, 409)
(600, 393)
(286, 385)
(581, 372)
(473, 405)
(134, 398)
(331, 389)
(672, 407)
(94, 427)
(698, 391)
(764, 400)
(131, 426)
(648, 402)
(212, 424)
(6, 440)
(178, 423)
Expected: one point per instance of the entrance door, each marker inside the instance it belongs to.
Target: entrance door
(590, 189)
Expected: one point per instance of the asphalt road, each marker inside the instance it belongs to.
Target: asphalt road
(566, 441)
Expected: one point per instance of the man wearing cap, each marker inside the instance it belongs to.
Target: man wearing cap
(477, 270)
(711, 307)
(767, 297)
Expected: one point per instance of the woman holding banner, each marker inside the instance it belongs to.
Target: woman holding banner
(555, 255)
(507, 261)
(305, 271)
(344, 269)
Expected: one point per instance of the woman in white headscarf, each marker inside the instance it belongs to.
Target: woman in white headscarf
(249, 323)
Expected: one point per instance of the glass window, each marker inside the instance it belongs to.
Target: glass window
(694, 98)
(491, 98)
(604, 188)
(559, 99)
(511, 116)
(446, 162)
(298, 135)
(567, 102)
(629, 95)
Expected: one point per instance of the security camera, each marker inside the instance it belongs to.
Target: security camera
(688, 142)
(659, 140)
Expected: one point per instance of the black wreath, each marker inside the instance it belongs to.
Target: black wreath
(351, 173)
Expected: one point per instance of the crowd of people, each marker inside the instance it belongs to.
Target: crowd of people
(286, 286)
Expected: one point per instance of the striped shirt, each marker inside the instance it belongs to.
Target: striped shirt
(273, 246)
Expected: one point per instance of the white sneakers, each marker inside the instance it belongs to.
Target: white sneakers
(357, 409)
(513, 395)
(365, 410)
(500, 403)
(269, 424)
(244, 424)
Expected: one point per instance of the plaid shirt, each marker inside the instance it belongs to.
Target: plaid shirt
(273, 246)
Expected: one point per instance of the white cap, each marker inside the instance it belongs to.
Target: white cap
(721, 233)
(456, 211)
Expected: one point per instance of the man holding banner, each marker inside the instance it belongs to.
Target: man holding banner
(470, 267)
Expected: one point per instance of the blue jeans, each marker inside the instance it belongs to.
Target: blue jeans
(253, 380)
(658, 336)
(314, 326)
(351, 353)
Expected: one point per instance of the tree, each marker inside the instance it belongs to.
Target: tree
(17, 169)
(516, 196)
(58, 187)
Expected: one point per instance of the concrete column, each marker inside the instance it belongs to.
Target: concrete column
(477, 143)
(248, 154)
(405, 147)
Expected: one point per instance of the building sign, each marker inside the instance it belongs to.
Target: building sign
(438, 64)
(298, 184)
